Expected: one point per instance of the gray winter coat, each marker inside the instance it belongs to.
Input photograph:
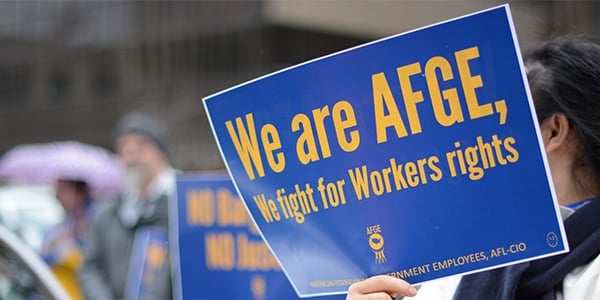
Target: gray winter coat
(106, 261)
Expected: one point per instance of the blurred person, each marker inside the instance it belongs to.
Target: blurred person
(63, 244)
(564, 77)
(140, 142)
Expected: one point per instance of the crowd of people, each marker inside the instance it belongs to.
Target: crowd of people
(91, 249)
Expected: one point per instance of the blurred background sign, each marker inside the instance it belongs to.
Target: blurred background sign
(216, 250)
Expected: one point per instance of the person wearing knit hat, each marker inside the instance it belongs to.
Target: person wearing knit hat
(140, 141)
(150, 127)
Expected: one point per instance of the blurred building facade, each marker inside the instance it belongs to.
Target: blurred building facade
(71, 69)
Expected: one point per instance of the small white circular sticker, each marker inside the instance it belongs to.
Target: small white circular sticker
(552, 239)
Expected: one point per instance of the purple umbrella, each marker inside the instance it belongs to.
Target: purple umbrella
(45, 163)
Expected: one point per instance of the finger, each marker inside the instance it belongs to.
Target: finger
(383, 283)
(373, 296)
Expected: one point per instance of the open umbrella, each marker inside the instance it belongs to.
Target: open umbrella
(47, 162)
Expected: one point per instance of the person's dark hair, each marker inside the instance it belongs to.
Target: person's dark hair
(80, 186)
(564, 77)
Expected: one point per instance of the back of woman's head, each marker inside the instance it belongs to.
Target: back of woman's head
(564, 77)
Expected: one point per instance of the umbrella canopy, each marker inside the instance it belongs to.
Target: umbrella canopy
(45, 163)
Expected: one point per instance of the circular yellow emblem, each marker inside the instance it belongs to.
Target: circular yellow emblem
(376, 241)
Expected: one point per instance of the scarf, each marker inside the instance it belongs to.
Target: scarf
(539, 279)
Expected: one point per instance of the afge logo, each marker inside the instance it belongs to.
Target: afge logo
(376, 242)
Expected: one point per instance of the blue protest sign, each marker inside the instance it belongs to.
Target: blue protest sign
(217, 252)
(416, 156)
(148, 257)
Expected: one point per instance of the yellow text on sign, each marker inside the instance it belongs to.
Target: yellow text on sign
(387, 113)
(254, 144)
